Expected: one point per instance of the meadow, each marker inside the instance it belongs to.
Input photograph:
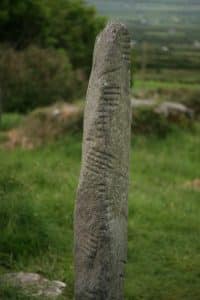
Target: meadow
(165, 35)
(38, 189)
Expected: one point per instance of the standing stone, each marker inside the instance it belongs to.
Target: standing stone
(101, 207)
(1, 108)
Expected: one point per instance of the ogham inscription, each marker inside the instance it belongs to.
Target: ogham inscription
(101, 206)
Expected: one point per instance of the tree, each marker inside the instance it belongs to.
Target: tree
(66, 24)
(37, 36)
(74, 27)
(34, 77)
(22, 22)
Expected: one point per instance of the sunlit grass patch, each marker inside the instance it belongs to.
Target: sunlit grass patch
(9, 121)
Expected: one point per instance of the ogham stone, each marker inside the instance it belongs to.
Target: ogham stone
(101, 209)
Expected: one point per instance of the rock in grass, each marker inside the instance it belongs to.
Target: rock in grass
(46, 124)
(33, 284)
(143, 103)
(174, 109)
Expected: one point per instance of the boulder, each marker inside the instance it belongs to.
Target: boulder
(142, 103)
(174, 109)
(33, 284)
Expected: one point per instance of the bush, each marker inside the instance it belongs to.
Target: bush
(66, 24)
(74, 27)
(63, 34)
(34, 77)
(10, 121)
(22, 22)
(146, 121)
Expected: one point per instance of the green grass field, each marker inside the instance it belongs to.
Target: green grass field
(37, 192)
(165, 34)
(156, 84)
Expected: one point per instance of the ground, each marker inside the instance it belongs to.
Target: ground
(38, 189)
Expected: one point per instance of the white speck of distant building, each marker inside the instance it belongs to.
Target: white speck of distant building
(133, 43)
(164, 48)
(197, 44)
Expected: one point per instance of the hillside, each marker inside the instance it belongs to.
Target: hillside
(165, 33)
(130, 9)
(178, 12)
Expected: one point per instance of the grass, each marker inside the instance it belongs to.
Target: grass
(9, 293)
(156, 84)
(187, 93)
(166, 75)
(164, 221)
(37, 192)
(9, 121)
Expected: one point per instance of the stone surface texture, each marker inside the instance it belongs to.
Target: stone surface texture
(101, 207)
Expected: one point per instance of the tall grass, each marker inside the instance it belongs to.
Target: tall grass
(37, 192)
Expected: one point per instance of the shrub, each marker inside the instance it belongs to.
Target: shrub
(22, 22)
(146, 121)
(68, 24)
(10, 121)
(34, 77)
(74, 27)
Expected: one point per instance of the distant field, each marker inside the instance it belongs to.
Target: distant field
(165, 34)
(156, 84)
(187, 77)
(177, 11)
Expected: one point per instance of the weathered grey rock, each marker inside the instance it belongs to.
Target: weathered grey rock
(143, 103)
(174, 109)
(33, 284)
(101, 206)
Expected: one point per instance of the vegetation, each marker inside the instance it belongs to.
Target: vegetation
(34, 77)
(69, 25)
(49, 46)
(37, 191)
(168, 85)
(174, 91)
(165, 35)
(10, 121)
(45, 56)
